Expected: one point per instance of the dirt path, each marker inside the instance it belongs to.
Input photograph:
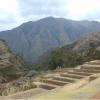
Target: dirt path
(96, 97)
(27, 94)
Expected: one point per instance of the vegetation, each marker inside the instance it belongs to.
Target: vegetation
(55, 59)
(16, 86)
(67, 57)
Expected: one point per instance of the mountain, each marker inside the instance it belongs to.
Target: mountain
(30, 40)
(85, 49)
(11, 66)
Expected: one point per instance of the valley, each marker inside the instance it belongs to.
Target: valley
(32, 39)
(50, 56)
(49, 49)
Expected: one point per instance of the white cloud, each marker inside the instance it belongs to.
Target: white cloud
(15, 12)
(9, 14)
(80, 9)
(8, 5)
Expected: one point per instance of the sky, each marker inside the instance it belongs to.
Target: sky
(15, 12)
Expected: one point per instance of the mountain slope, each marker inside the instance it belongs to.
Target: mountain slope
(83, 42)
(85, 49)
(32, 39)
(11, 66)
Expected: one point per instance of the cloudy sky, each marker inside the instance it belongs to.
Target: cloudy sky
(15, 12)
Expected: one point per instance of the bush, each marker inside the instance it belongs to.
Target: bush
(14, 87)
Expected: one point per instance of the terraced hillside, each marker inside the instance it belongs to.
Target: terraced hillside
(70, 76)
(69, 80)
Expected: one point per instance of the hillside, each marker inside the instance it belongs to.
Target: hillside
(83, 50)
(11, 66)
(32, 39)
(12, 72)
(84, 42)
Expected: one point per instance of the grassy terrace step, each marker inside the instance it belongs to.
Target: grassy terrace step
(80, 73)
(93, 63)
(97, 62)
(71, 76)
(68, 80)
(90, 66)
(54, 82)
(47, 86)
(88, 70)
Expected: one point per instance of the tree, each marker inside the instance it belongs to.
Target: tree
(91, 51)
(55, 59)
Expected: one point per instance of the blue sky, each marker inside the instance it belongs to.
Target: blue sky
(15, 12)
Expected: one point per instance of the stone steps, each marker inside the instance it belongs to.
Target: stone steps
(65, 79)
(54, 82)
(88, 70)
(71, 76)
(80, 73)
(93, 63)
(87, 66)
(47, 86)
(91, 68)
(96, 62)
